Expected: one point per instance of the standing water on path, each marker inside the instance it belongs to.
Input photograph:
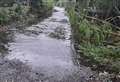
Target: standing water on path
(46, 47)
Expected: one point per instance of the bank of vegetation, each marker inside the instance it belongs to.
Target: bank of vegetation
(96, 33)
(19, 13)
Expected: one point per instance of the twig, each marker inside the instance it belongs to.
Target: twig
(102, 21)
(116, 34)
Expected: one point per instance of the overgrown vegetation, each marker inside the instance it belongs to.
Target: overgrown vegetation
(20, 11)
(97, 40)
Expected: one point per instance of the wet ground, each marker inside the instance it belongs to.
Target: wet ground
(46, 48)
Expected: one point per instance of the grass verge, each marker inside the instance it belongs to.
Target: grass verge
(97, 43)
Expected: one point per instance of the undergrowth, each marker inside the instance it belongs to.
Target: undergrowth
(95, 42)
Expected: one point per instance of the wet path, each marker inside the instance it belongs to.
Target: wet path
(46, 47)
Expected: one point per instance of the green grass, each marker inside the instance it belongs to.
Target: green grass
(92, 41)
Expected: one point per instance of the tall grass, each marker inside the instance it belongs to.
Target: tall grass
(92, 39)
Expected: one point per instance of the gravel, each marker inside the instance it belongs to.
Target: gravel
(16, 71)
